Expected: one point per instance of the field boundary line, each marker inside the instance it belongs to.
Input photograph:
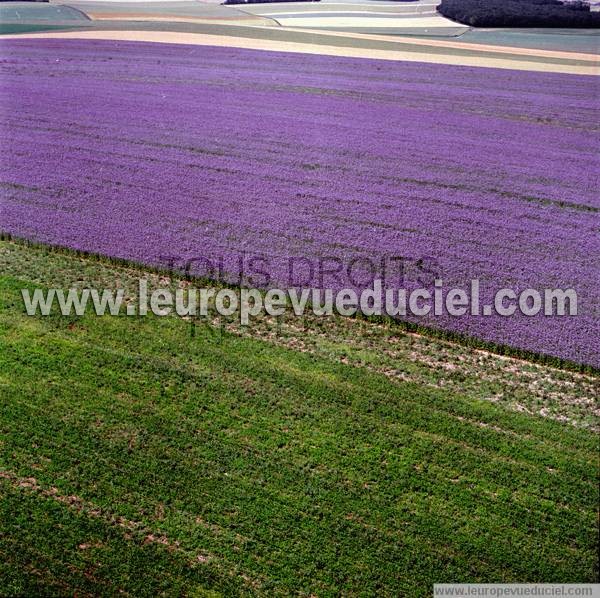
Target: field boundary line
(415, 41)
(168, 37)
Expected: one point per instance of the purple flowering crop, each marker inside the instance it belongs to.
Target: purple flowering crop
(150, 152)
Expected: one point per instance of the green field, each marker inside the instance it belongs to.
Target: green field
(322, 457)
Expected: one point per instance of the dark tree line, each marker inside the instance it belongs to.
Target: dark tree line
(520, 13)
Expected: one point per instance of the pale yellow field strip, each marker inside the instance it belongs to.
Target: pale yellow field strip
(286, 46)
(388, 13)
(402, 21)
(241, 19)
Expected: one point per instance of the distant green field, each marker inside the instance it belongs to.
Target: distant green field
(27, 17)
(10, 28)
(136, 457)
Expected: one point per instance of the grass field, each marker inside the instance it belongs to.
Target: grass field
(137, 458)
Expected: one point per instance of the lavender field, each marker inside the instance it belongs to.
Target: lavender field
(159, 154)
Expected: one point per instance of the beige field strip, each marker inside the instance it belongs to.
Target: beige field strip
(286, 46)
(404, 22)
(241, 18)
